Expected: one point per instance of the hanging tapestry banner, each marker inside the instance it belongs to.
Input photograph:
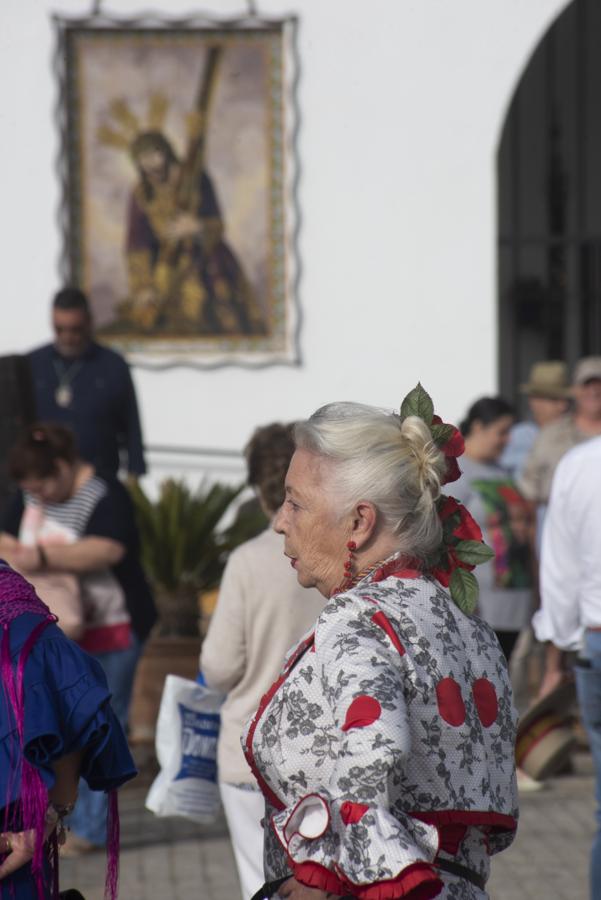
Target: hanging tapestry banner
(179, 180)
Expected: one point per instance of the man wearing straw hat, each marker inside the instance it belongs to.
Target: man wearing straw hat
(570, 614)
(556, 438)
(547, 391)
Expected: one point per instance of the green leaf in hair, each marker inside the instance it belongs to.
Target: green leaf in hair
(442, 434)
(418, 403)
(464, 590)
(473, 552)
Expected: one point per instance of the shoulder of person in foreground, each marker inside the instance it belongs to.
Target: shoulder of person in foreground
(67, 708)
(402, 616)
(357, 618)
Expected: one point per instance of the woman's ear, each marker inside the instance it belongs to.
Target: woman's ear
(364, 522)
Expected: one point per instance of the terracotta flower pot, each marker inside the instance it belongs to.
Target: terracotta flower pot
(177, 611)
(162, 656)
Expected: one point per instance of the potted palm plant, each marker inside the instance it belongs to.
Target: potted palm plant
(183, 551)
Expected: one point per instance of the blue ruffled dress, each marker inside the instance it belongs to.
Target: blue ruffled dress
(66, 709)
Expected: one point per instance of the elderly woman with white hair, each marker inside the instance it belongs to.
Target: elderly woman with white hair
(385, 750)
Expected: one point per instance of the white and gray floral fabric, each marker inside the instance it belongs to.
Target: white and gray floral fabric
(388, 743)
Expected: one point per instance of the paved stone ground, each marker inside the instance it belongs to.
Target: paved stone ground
(549, 858)
(170, 859)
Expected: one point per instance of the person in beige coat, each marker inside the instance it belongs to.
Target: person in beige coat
(261, 613)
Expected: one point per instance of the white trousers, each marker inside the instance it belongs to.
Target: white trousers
(243, 812)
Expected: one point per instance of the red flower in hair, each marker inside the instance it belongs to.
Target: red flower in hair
(450, 441)
(453, 472)
(455, 446)
(468, 529)
(444, 571)
(462, 547)
(443, 575)
(448, 506)
(463, 526)
(458, 525)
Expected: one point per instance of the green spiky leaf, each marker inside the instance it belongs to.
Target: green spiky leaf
(464, 590)
(473, 552)
(418, 403)
(180, 540)
(442, 434)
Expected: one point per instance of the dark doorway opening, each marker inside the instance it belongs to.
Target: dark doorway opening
(549, 202)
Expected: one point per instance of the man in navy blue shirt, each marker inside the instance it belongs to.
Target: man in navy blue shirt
(87, 387)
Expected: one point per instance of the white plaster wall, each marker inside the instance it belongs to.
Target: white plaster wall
(402, 103)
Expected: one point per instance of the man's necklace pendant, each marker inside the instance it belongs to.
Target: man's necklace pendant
(63, 396)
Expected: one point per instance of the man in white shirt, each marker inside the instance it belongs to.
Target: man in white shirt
(570, 614)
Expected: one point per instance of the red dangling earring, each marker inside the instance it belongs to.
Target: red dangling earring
(348, 565)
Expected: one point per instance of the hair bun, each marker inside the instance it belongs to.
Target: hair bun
(429, 459)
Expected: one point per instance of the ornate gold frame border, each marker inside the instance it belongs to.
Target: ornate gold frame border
(283, 346)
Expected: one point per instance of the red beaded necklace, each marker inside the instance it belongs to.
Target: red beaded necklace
(352, 580)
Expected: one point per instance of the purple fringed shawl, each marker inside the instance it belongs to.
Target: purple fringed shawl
(17, 597)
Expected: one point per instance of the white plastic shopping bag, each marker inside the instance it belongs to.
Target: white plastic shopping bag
(186, 746)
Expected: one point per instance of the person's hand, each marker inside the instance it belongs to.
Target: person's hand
(183, 225)
(294, 890)
(20, 847)
(9, 547)
(10, 556)
(26, 559)
(551, 680)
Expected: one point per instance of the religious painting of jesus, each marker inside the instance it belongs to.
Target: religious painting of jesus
(180, 216)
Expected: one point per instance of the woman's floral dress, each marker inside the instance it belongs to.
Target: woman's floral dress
(387, 745)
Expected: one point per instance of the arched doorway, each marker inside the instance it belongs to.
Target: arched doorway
(549, 202)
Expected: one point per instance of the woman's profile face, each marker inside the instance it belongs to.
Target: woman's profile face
(54, 488)
(492, 438)
(315, 538)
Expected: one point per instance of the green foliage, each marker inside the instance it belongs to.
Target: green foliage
(442, 433)
(418, 403)
(180, 545)
(473, 552)
(464, 590)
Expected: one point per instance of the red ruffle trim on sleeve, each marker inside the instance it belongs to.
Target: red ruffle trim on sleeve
(442, 817)
(417, 882)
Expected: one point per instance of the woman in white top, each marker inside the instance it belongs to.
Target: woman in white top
(262, 611)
